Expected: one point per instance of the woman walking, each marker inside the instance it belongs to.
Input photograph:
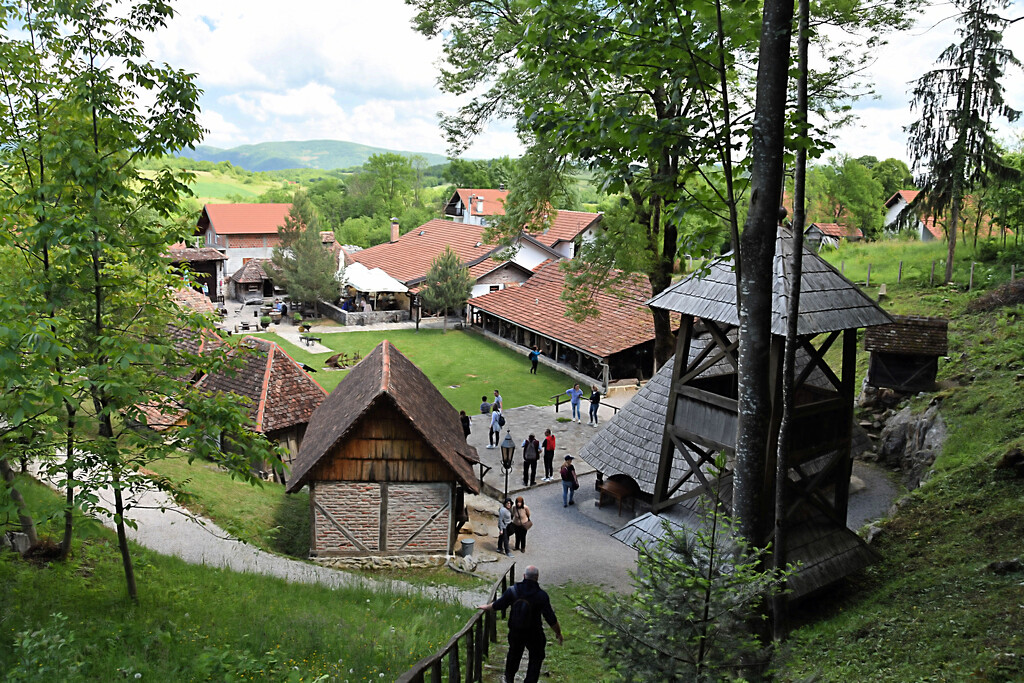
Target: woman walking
(521, 523)
(504, 519)
(496, 423)
(595, 402)
(549, 455)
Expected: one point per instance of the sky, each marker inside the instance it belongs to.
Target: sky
(355, 70)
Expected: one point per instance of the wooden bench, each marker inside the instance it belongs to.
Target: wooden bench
(310, 339)
(241, 327)
(619, 491)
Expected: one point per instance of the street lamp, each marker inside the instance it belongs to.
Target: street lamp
(508, 450)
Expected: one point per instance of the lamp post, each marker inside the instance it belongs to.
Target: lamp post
(508, 450)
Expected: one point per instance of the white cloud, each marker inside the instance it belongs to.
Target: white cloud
(355, 70)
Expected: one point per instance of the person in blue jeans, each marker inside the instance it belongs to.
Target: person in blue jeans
(569, 482)
(595, 403)
(575, 394)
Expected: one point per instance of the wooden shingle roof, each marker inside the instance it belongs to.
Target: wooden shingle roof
(828, 301)
(910, 334)
(630, 443)
(251, 272)
(278, 392)
(194, 254)
(385, 375)
(537, 306)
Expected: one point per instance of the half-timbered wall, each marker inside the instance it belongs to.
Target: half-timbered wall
(362, 518)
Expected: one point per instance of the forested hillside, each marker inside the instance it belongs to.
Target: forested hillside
(320, 154)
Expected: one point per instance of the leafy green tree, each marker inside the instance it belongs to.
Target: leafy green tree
(695, 591)
(894, 175)
(843, 191)
(305, 268)
(85, 346)
(448, 285)
(1007, 200)
(391, 176)
(328, 196)
(952, 144)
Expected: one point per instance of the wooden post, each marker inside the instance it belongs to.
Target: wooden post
(1012, 273)
(868, 283)
(970, 283)
(842, 267)
(899, 277)
(931, 279)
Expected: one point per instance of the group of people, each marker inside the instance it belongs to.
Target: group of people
(575, 396)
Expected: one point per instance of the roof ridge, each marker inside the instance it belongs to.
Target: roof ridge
(385, 366)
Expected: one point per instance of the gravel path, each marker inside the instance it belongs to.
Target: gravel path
(167, 528)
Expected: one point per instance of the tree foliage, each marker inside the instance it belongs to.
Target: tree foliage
(951, 145)
(306, 269)
(85, 343)
(447, 285)
(695, 591)
(844, 191)
(894, 175)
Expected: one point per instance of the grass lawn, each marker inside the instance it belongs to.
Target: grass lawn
(71, 621)
(462, 365)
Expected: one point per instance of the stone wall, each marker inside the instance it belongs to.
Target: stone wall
(353, 318)
(910, 443)
(416, 518)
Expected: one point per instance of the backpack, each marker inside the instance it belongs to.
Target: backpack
(501, 420)
(519, 613)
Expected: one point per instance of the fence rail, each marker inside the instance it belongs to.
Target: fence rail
(475, 639)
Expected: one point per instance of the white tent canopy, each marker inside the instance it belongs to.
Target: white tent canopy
(363, 279)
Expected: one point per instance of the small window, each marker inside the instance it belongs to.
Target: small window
(495, 288)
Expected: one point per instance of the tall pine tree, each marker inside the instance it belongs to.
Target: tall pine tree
(448, 285)
(305, 268)
(952, 146)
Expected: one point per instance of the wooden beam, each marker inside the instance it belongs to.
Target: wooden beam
(661, 482)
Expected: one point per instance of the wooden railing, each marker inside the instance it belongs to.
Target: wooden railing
(563, 397)
(475, 639)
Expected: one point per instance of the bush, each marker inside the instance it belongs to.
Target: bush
(995, 251)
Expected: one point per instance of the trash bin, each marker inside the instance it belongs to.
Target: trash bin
(467, 547)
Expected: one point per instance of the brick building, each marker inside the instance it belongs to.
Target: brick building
(241, 232)
(386, 463)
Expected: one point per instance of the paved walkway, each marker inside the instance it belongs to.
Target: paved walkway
(167, 528)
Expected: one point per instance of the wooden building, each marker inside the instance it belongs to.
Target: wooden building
(702, 409)
(905, 355)
(280, 395)
(386, 463)
(617, 343)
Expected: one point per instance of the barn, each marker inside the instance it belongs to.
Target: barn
(386, 464)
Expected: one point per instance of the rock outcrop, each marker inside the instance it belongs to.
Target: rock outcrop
(909, 443)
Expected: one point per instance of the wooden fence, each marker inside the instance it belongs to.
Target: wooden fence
(474, 639)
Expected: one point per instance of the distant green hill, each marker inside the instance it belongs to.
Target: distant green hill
(275, 156)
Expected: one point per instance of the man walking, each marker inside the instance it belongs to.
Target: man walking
(498, 403)
(534, 356)
(549, 455)
(525, 630)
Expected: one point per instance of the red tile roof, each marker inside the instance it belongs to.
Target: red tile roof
(279, 393)
(906, 195)
(193, 299)
(837, 231)
(494, 201)
(244, 219)
(410, 257)
(537, 305)
(566, 226)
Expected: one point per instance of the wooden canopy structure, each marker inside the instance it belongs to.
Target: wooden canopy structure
(703, 406)
(386, 462)
(905, 355)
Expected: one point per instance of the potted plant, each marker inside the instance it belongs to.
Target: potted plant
(265, 321)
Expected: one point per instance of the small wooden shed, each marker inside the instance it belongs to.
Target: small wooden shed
(905, 355)
(386, 462)
(703, 405)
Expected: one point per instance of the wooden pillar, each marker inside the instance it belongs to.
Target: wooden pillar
(775, 357)
(661, 482)
(848, 391)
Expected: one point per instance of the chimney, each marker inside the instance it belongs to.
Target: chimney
(394, 229)
(501, 187)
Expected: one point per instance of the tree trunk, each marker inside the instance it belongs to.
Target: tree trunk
(28, 525)
(779, 559)
(757, 251)
(664, 339)
(122, 535)
(69, 494)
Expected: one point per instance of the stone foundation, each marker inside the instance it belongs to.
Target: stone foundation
(382, 562)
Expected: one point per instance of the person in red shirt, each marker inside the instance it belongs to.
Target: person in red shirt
(549, 455)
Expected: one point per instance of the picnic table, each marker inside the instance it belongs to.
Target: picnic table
(619, 491)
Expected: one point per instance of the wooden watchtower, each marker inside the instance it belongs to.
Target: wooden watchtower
(702, 409)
